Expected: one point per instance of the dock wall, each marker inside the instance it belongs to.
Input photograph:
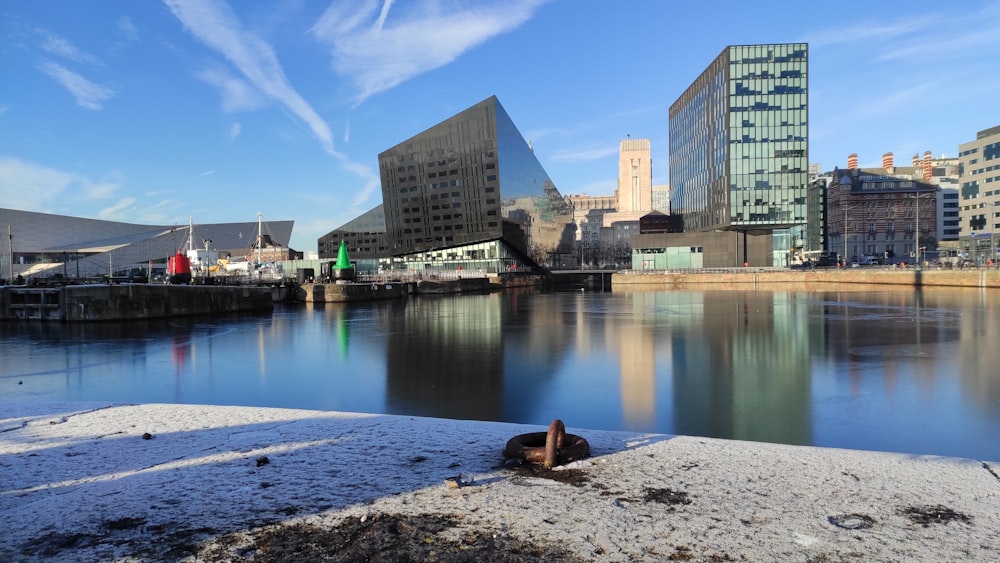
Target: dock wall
(75, 303)
(739, 278)
(348, 292)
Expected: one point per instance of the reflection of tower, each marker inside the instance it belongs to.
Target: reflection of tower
(637, 357)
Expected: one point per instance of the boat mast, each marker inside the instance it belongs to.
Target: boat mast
(260, 234)
(190, 232)
(10, 242)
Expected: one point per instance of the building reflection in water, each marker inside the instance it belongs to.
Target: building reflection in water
(444, 358)
(738, 363)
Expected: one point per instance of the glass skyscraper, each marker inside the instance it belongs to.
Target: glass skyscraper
(739, 144)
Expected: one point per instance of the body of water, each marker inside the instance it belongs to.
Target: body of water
(878, 369)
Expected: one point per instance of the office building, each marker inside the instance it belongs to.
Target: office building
(739, 147)
(364, 237)
(469, 192)
(979, 182)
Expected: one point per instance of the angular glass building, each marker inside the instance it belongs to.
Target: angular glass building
(364, 236)
(739, 145)
(469, 192)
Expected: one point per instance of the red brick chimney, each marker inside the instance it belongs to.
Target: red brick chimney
(928, 168)
(916, 160)
(887, 162)
(852, 161)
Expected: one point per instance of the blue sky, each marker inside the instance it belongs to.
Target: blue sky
(154, 112)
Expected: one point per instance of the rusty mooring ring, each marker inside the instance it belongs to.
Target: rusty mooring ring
(551, 448)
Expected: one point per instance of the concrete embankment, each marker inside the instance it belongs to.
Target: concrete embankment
(357, 291)
(100, 482)
(127, 302)
(806, 279)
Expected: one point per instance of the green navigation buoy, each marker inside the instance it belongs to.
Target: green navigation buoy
(342, 268)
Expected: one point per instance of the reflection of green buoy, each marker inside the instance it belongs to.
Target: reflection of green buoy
(343, 270)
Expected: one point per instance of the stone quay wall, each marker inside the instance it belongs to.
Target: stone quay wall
(75, 303)
(763, 278)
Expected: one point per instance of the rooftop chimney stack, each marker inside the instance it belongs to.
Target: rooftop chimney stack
(852, 161)
(928, 168)
(887, 162)
(916, 160)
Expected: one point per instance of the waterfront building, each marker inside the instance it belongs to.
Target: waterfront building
(365, 239)
(882, 212)
(979, 182)
(815, 242)
(470, 193)
(43, 244)
(589, 211)
(943, 172)
(739, 147)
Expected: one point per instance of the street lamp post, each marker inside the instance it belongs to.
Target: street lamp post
(846, 209)
(916, 200)
(916, 255)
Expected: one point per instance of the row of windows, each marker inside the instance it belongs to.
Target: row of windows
(769, 135)
(987, 169)
(765, 71)
(669, 250)
(783, 118)
(765, 88)
(488, 157)
(418, 230)
(767, 103)
(887, 185)
(456, 205)
(778, 53)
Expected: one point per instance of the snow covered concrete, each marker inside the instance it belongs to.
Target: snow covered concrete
(103, 482)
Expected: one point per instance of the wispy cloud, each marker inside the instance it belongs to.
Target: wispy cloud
(117, 211)
(28, 186)
(234, 131)
(88, 94)
(214, 24)
(204, 174)
(584, 154)
(918, 37)
(237, 94)
(33, 187)
(127, 29)
(104, 189)
(892, 101)
(62, 47)
(946, 47)
(863, 31)
(378, 55)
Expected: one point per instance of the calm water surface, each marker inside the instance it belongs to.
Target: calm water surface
(894, 370)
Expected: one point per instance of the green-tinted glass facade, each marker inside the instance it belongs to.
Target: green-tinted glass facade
(468, 180)
(739, 141)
